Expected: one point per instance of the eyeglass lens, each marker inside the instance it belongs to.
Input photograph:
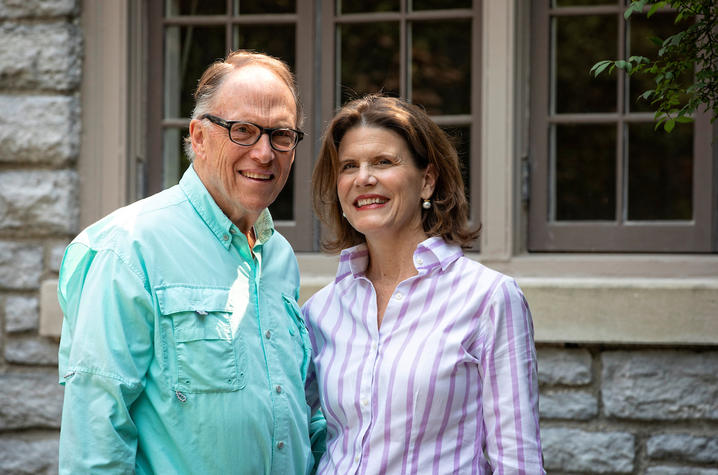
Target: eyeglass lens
(248, 134)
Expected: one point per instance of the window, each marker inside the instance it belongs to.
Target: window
(185, 37)
(426, 51)
(603, 179)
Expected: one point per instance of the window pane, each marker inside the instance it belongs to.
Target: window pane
(195, 7)
(369, 59)
(441, 66)
(585, 172)
(461, 139)
(276, 40)
(581, 41)
(174, 159)
(641, 30)
(440, 4)
(582, 3)
(247, 7)
(365, 6)
(660, 172)
(188, 52)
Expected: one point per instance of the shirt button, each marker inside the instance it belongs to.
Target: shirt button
(225, 237)
(280, 444)
(233, 231)
(399, 296)
(268, 334)
(278, 389)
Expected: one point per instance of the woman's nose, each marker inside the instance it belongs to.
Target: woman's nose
(365, 176)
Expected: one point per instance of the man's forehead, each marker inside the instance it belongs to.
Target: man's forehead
(254, 86)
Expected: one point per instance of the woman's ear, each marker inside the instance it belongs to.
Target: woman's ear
(429, 182)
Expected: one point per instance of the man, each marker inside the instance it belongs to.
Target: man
(183, 349)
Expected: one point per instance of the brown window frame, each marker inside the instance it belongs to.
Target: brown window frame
(621, 235)
(301, 230)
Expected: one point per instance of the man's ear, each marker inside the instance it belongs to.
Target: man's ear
(197, 136)
(429, 181)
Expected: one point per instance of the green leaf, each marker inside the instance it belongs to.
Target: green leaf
(669, 125)
(655, 8)
(601, 66)
(684, 120)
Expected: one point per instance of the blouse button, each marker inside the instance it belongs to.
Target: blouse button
(399, 296)
(419, 260)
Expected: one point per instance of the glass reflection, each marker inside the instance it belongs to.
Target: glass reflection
(585, 172)
(275, 40)
(581, 41)
(369, 59)
(248, 7)
(582, 3)
(641, 30)
(660, 172)
(367, 6)
(175, 162)
(195, 7)
(188, 52)
(439, 4)
(441, 66)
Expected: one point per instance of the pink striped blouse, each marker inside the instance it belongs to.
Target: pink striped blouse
(447, 384)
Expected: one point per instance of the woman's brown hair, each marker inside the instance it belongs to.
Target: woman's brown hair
(429, 145)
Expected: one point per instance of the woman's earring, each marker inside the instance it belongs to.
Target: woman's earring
(426, 204)
(344, 214)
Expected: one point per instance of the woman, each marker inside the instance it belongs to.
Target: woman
(424, 359)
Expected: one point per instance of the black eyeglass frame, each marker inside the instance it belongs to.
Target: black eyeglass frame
(227, 124)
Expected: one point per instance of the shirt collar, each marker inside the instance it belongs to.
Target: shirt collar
(220, 225)
(430, 253)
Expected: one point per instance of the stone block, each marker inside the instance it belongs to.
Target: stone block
(683, 447)
(573, 450)
(50, 311)
(29, 454)
(681, 471)
(568, 405)
(39, 202)
(55, 255)
(39, 129)
(30, 401)
(559, 366)
(21, 313)
(31, 350)
(46, 56)
(660, 385)
(20, 264)
(37, 8)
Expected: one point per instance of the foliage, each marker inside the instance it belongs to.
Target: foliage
(686, 68)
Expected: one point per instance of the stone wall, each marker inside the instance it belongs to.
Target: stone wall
(40, 72)
(632, 411)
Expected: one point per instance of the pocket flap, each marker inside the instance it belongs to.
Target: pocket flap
(182, 298)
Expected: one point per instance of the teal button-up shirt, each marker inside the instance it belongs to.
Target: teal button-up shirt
(182, 350)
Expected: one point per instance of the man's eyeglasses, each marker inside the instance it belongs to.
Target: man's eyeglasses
(281, 139)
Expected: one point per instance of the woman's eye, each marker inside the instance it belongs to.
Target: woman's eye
(347, 166)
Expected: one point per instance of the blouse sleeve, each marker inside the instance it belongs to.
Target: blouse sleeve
(510, 383)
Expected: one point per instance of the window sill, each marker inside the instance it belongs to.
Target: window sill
(598, 298)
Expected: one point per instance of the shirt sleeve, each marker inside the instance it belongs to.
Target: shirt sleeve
(105, 350)
(510, 384)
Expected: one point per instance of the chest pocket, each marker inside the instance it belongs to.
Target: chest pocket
(298, 332)
(207, 356)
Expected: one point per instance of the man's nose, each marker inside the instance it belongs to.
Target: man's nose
(262, 150)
